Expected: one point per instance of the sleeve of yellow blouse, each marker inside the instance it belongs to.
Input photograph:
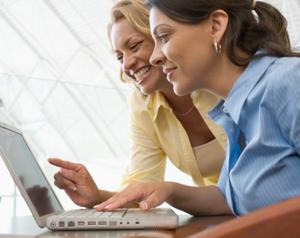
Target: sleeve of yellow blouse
(147, 159)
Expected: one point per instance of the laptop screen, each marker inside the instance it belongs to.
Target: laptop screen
(22, 161)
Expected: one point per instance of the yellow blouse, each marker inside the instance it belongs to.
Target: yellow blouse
(156, 134)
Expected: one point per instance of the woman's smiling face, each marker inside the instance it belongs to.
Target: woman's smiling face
(184, 51)
(133, 50)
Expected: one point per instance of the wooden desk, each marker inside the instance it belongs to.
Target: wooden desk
(26, 227)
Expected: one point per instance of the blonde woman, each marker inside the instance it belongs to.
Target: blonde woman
(163, 125)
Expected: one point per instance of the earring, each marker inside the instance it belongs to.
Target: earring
(218, 47)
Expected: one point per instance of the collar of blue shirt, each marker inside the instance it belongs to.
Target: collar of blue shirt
(244, 85)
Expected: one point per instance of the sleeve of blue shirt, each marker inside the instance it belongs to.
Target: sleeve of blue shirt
(286, 101)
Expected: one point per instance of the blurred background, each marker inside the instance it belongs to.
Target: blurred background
(59, 84)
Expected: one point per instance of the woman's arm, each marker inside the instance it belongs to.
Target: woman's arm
(147, 158)
(147, 163)
(284, 102)
(194, 200)
(198, 200)
(77, 182)
(79, 185)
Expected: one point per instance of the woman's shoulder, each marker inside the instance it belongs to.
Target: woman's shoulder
(282, 84)
(286, 64)
(284, 73)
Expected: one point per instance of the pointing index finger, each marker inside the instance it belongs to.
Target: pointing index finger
(64, 164)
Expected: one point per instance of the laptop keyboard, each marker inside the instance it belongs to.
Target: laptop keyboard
(92, 213)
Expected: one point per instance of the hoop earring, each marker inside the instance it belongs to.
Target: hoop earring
(218, 48)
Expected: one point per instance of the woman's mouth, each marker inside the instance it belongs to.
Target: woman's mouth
(142, 73)
(169, 72)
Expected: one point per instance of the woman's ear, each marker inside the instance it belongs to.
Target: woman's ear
(219, 22)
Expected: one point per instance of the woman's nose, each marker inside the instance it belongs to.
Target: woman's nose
(128, 64)
(157, 58)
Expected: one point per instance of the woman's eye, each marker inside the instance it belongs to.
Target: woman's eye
(120, 58)
(135, 46)
(163, 38)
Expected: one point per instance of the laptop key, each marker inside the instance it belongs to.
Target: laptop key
(106, 214)
(118, 213)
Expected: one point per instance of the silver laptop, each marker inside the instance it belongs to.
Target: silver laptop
(45, 206)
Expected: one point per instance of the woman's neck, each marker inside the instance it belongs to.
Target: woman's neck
(224, 77)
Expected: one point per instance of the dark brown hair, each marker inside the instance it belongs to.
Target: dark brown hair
(250, 28)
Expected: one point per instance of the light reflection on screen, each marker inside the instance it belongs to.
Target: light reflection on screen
(24, 165)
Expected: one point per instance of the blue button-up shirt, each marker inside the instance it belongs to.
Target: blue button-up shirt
(261, 117)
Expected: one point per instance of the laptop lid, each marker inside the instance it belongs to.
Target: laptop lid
(27, 174)
(44, 204)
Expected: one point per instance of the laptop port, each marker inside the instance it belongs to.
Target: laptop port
(112, 223)
(91, 223)
(52, 224)
(61, 224)
(71, 223)
(137, 222)
(102, 223)
(80, 223)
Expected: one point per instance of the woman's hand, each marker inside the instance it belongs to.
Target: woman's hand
(77, 182)
(148, 195)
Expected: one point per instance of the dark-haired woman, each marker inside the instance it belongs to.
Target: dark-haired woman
(240, 51)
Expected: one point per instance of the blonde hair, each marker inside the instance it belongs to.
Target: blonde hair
(136, 13)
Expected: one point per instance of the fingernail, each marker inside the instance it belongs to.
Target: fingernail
(144, 205)
(107, 206)
(74, 189)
